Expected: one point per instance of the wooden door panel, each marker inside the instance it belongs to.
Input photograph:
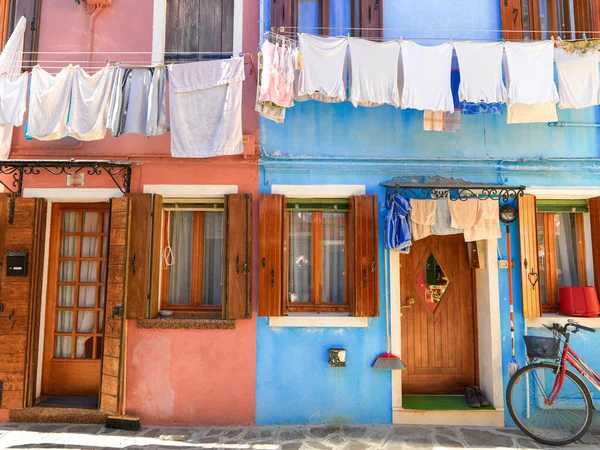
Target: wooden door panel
(438, 344)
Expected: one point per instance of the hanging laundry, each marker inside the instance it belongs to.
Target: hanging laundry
(422, 218)
(11, 61)
(268, 110)
(278, 74)
(138, 102)
(323, 73)
(441, 121)
(579, 47)
(206, 108)
(443, 219)
(481, 89)
(578, 79)
(479, 219)
(49, 101)
(426, 77)
(90, 98)
(374, 72)
(13, 100)
(397, 224)
(530, 75)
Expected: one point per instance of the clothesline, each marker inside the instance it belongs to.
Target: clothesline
(433, 30)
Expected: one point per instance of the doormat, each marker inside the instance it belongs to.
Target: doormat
(69, 401)
(439, 403)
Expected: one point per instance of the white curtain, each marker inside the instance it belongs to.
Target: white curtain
(333, 258)
(300, 257)
(213, 259)
(180, 281)
(566, 249)
(66, 294)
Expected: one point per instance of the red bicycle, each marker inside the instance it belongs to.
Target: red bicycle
(548, 401)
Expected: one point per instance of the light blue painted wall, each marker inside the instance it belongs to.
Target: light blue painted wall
(340, 144)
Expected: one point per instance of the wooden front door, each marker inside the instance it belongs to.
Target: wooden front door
(75, 300)
(438, 331)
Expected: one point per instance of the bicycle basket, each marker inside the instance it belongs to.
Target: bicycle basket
(542, 347)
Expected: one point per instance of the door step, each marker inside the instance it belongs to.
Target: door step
(40, 414)
(439, 403)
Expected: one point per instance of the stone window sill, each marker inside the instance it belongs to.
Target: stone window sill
(323, 320)
(185, 324)
(549, 319)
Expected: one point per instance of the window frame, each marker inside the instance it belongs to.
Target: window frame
(315, 206)
(195, 308)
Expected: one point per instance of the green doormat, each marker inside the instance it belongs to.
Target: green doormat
(439, 403)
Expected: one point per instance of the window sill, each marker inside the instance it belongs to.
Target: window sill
(186, 324)
(324, 320)
(550, 318)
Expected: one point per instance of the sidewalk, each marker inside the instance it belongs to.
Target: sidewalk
(349, 437)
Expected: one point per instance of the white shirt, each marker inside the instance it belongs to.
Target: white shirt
(480, 67)
(578, 79)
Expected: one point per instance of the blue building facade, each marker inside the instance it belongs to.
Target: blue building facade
(337, 150)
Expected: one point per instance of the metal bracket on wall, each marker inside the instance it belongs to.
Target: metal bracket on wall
(119, 173)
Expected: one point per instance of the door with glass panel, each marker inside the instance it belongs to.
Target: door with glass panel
(76, 288)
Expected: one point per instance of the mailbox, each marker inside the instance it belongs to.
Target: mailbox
(16, 264)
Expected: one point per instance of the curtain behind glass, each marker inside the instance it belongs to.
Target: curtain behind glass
(182, 225)
(333, 258)
(300, 257)
(566, 250)
(213, 259)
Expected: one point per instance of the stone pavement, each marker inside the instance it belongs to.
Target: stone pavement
(347, 437)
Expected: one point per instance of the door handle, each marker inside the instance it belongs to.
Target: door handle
(133, 262)
(237, 264)
(409, 303)
(272, 277)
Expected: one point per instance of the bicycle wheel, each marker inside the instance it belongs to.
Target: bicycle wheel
(558, 423)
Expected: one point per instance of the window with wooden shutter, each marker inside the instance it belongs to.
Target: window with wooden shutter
(30, 9)
(195, 26)
(283, 14)
(270, 257)
(368, 18)
(21, 299)
(156, 256)
(237, 270)
(530, 285)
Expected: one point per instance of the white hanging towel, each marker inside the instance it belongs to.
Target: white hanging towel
(530, 72)
(426, 80)
(323, 72)
(13, 100)
(578, 79)
(49, 100)
(374, 72)
(206, 108)
(11, 61)
(90, 99)
(480, 67)
(539, 113)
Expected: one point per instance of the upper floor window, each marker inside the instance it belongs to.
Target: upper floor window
(194, 27)
(361, 18)
(10, 13)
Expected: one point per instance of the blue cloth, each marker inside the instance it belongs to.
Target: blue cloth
(481, 108)
(397, 224)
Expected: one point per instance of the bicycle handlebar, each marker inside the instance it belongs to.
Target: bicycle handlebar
(565, 328)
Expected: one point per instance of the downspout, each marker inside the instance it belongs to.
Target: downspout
(95, 12)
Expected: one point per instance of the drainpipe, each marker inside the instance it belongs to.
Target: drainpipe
(95, 12)
(570, 124)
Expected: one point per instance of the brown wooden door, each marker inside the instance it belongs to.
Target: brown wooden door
(76, 292)
(438, 330)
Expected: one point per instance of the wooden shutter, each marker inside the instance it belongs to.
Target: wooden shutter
(111, 391)
(283, 14)
(270, 258)
(594, 205)
(31, 10)
(237, 268)
(20, 298)
(512, 20)
(368, 14)
(363, 259)
(156, 256)
(596, 19)
(530, 283)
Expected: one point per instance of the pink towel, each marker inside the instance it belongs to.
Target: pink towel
(478, 218)
(422, 217)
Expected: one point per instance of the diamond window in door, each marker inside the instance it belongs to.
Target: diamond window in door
(81, 283)
(432, 283)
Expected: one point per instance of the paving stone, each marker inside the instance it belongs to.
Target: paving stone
(323, 432)
(292, 446)
(85, 429)
(215, 432)
(291, 434)
(317, 445)
(45, 427)
(589, 438)
(233, 433)
(152, 432)
(404, 430)
(355, 445)
(335, 440)
(527, 443)
(482, 438)
(445, 441)
(354, 432)
(417, 442)
(511, 431)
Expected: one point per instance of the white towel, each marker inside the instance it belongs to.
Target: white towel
(13, 100)
(206, 108)
(578, 79)
(323, 72)
(49, 99)
(426, 80)
(530, 73)
(374, 72)
(90, 99)
(480, 72)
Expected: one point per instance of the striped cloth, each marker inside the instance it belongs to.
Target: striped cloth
(441, 121)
